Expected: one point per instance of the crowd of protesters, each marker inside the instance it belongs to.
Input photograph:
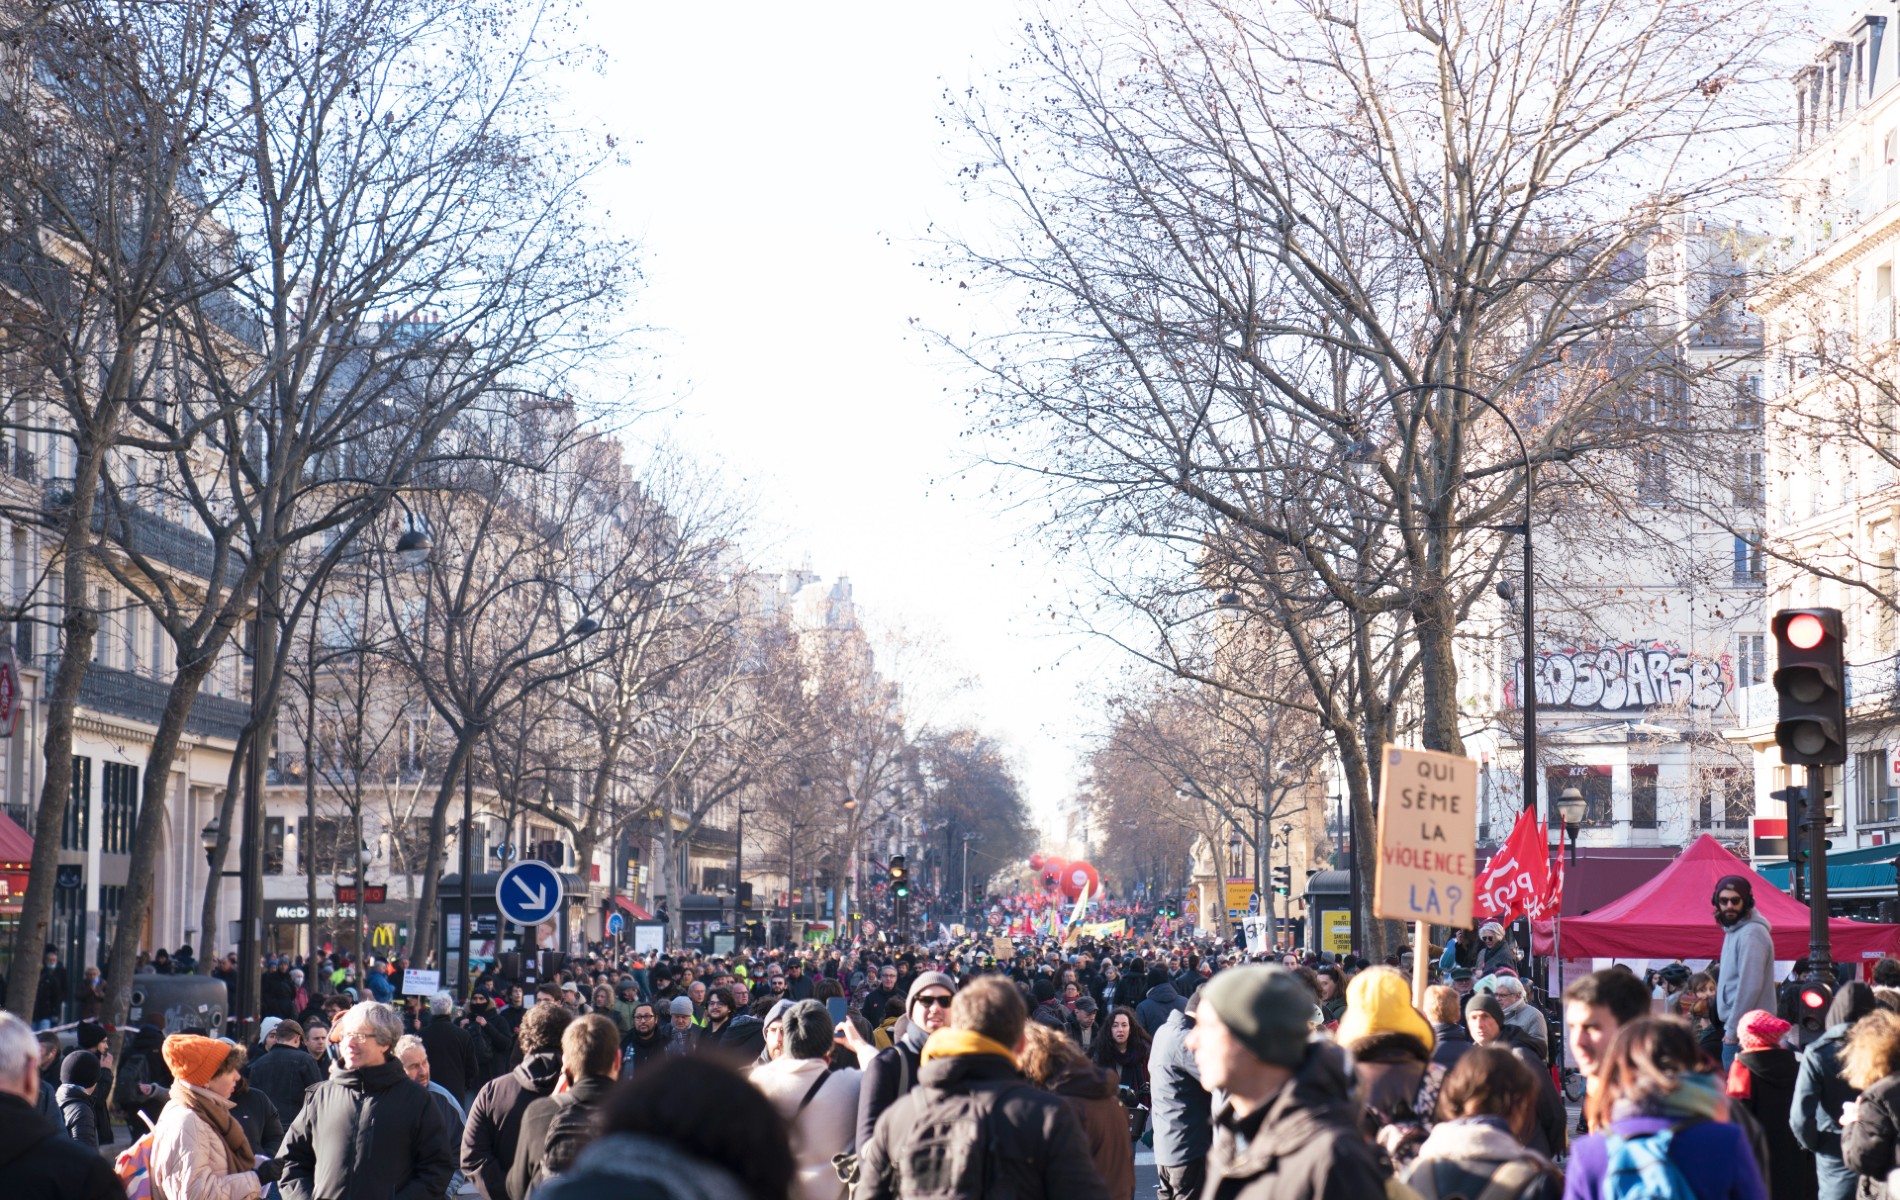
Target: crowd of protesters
(942, 1071)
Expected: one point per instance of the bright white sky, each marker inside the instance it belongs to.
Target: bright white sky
(785, 162)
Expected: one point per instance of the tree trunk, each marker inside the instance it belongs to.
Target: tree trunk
(427, 903)
(214, 879)
(81, 626)
(149, 833)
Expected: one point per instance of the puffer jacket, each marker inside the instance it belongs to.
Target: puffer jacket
(493, 1132)
(370, 1133)
(77, 1114)
(1870, 1142)
(1305, 1145)
(1153, 1012)
(1182, 1110)
(189, 1159)
(1034, 1147)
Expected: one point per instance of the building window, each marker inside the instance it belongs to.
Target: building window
(1748, 402)
(1751, 665)
(273, 845)
(1593, 782)
(1727, 800)
(1751, 481)
(76, 833)
(1876, 801)
(118, 807)
(1643, 796)
(326, 843)
(1746, 561)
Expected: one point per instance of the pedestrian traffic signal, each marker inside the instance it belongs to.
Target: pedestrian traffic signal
(1810, 684)
(900, 876)
(1283, 880)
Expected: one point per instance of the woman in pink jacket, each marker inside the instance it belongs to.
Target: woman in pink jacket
(198, 1151)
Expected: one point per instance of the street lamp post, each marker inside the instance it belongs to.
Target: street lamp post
(1571, 807)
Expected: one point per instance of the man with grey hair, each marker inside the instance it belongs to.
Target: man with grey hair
(369, 1129)
(820, 1106)
(1523, 1016)
(40, 1161)
(451, 1050)
(415, 1064)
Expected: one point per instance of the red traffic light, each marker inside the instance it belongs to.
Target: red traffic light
(1813, 997)
(1805, 631)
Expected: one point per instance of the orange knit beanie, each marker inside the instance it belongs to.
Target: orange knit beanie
(196, 1060)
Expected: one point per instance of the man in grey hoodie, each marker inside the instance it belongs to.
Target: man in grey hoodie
(1747, 979)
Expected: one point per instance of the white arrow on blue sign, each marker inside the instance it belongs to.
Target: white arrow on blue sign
(615, 923)
(529, 892)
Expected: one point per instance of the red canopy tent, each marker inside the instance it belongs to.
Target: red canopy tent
(1671, 917)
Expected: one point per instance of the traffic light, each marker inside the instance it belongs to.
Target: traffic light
(1282, 881)
(660, 910)
(1811, 1010)
(1810, 684)
(900, 877)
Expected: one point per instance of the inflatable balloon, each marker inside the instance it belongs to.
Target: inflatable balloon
(1052, 871)
(1077, 876)
(1035, 862)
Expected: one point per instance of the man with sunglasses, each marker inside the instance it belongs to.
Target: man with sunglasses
(893, 1071)
(1747, 979)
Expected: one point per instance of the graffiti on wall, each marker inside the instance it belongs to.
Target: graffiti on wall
(1626, 676)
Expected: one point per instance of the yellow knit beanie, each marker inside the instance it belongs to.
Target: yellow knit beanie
(1379, 1000)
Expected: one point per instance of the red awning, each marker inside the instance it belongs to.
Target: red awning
(16, 844)
(1668, 917)
(631, 909)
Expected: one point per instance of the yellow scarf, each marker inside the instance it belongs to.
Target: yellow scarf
(951, 1043)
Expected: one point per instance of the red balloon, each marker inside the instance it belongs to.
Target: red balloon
(1035, 862)
(1052, 871)
(1077, 876)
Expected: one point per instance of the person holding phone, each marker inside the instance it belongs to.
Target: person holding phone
(891, 1072)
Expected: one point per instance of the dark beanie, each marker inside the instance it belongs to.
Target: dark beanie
(81, 1067)
(89, 1034)
(1739, 884)
(1044, 990)
(1267, 1009)
(1485, 1002)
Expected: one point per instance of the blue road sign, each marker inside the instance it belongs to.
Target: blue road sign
(615, 923)
(529, 892)
(1253, 903)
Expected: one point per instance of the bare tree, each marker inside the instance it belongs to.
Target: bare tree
(1274, 269)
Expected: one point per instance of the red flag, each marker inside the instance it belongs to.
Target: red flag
(1517, 876)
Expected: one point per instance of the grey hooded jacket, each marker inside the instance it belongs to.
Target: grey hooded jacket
(1748, 971)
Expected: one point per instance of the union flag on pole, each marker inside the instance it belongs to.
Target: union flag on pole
(1518, 881)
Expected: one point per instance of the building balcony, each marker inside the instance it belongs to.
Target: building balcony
(137, 698)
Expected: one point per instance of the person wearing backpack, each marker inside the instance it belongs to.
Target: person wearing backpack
(1663, 1127)
(1486, 1109)
(973, 1127)
(819, 1105)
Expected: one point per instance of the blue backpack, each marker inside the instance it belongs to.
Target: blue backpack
(1640, 1168)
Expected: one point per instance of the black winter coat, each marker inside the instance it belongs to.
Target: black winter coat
(75, 1110)
(890, 1074)
(1306, 1145)
(1153, 1012)
(256, 1115)
(367, 1134)
(284, 1074)
(1035, 1149)
(39, 1162)
(1868, 1142)
(451, 1057)
(493, 1133)
(555, 1130)
(1771, 1080)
